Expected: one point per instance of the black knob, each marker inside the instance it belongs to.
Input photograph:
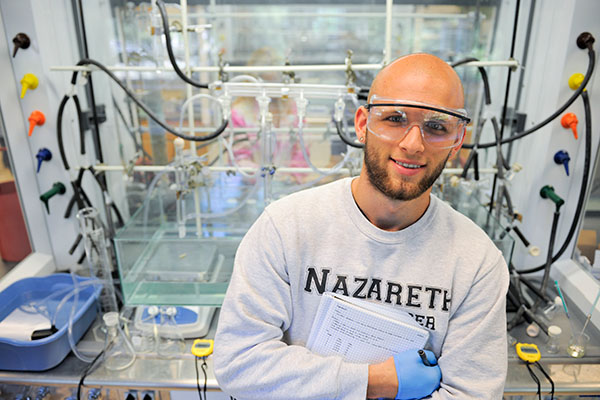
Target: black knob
(21, 41)
(585, 40)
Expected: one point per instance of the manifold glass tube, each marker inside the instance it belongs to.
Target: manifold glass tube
(97, 256)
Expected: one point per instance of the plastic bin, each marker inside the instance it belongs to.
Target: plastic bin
(43, 354)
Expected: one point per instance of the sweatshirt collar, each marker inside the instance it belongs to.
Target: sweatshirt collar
(380, 235)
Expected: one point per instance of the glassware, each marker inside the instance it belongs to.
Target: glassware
(119, 353)
(577, 344)
(552, 346)
(97, 255)
(145, 340)
(550, 311)
(170, 340)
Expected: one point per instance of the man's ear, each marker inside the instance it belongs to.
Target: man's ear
(360, 123)
(456, 148)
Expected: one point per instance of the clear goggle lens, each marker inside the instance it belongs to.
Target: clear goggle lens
(439, 127)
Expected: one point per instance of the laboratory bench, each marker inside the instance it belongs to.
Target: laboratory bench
(176, 378)
(571, 376)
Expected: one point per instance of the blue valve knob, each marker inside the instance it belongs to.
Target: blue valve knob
(562, 157)
(43, 155)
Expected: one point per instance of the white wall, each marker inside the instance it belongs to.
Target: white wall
(553, 58)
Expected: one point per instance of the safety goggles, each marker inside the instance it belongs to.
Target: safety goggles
(392, 120)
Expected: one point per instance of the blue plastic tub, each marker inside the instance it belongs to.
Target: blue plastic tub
(27, 294)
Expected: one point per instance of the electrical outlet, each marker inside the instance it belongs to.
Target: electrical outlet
(131, 395)
(147, 395)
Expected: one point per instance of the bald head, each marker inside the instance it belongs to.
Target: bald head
(420, 77)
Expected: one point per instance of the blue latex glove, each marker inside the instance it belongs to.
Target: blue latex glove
(415, 379)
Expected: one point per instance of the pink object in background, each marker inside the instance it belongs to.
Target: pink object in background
(14, 242)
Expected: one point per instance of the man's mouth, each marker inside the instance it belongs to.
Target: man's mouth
(409, 165)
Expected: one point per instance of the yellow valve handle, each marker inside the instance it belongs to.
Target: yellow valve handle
(575, 81)
(29, 81)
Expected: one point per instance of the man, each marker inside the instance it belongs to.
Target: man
(380, 236)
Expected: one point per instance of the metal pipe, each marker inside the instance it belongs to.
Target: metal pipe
(272, 68)
(156, 168)
(203, 129)
(329, 14)
(189, 94)
(387, 55)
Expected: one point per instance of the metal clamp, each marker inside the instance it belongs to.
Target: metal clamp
(176, 26)
(515, 66)
(223, 75)
(268, 170)
(289, 76)
(131, 164)
(350, 74)
(195, 174)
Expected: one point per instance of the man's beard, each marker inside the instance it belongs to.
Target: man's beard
(379, 177)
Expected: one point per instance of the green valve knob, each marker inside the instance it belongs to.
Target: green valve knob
(548, 192)
(57, 188)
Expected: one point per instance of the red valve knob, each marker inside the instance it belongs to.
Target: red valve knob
(36, 118)
(569, 120)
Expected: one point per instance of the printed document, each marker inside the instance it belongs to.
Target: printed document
(362, 331)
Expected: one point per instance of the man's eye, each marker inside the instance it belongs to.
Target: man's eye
(395, 118)
(436, 126)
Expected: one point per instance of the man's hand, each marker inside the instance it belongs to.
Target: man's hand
(404, 376)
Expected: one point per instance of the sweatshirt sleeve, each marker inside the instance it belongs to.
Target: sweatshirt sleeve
(251, 361)
(473, 358)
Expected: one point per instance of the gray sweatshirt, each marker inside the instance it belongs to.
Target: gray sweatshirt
(443, 270)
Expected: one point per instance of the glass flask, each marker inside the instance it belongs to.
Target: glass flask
(119, 353)
(550, 311)
(144, 340)
(170, 340)
(552, 345)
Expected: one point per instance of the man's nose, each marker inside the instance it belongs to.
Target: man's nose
(413, 141)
